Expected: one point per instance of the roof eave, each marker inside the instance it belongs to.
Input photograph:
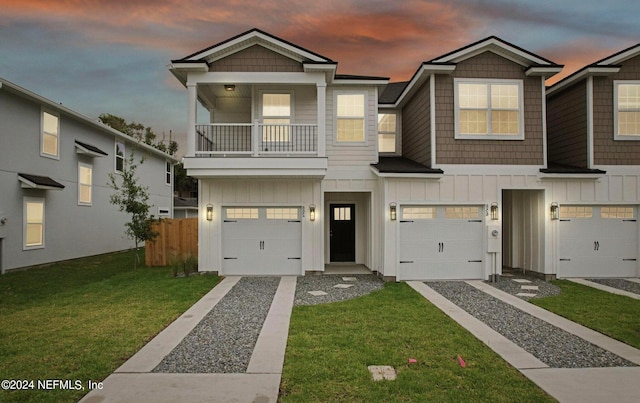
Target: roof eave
(589, 71)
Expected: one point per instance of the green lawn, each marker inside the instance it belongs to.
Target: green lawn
(331, 345)
(616, 316)
(80, 320)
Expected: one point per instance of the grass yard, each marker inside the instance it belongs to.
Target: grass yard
(82, 319)
(616, 316)
(330, 347)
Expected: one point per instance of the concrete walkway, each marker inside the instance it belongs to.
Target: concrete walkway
(564, 384)
(134, 381)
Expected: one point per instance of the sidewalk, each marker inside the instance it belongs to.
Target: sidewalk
(134, 382)
(564, 384)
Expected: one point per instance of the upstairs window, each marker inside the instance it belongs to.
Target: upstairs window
(490, 109)
(119, 157)
(276, 117)
(627, 110)
(387, 132)
(167, 178)
(350, 118)
(50, 135)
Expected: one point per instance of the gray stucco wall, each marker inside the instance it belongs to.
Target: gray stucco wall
(71, 230)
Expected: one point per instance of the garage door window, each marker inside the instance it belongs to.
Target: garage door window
(462, 212)
(418, 213)
(282, 214)
(616, 212)
(576, 212)
(242, 213)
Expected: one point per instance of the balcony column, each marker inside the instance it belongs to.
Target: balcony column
(321, 89)
(191, 119)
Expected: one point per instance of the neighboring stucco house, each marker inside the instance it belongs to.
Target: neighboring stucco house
(445, 176)
(54, 168)
(594, 137)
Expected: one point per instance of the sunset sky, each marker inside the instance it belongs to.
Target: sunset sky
(98, 56)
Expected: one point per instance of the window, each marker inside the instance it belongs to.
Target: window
(50, 135)
(242, 213)
(276, 117)
(33, 223)
(163, 212)
(489, 109)
(282, 213)
(168, 173)
(387, 132)
(616, 212)
(342, 213)
(350, 118)
(119, 156)
(462, 212)
(627, 112)
(85, 173)
(418, 213)
(576, 212)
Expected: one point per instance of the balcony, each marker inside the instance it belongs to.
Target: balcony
(256, 140)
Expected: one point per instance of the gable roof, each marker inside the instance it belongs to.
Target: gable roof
(24, 93)
(249, 38)
(602, 67)
(534, 65)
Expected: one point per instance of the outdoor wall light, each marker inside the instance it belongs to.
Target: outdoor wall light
(555, 211)
(312, 212)
(393, 211)
(229, 87)
(209, 212)
(494, 211)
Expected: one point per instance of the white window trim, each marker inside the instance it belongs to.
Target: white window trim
(115, 155)
(80, 202)
(616, 136)
(168, 172)
(398, 146)
(24, 222)
(42, 153)
(364, 118)
(519, 83)
(291, 110)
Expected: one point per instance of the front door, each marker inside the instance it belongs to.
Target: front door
(342, 232)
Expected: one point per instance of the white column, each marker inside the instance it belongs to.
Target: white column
(191, 119)
(322, 118)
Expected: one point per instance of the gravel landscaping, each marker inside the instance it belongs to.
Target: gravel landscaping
(507, 284)
(224, 340)
(364, 284)
(551, 345)
(618, 283)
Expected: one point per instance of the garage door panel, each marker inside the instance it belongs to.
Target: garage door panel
(262, 241)
(598, 244)
(437, 246)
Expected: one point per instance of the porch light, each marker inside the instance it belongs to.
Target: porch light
(312, 212)
(555, 211)
(392, 211)
(494, 211)
(229, 87)
(209, 212)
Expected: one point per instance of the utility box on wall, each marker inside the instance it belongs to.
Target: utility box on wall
(494, 238)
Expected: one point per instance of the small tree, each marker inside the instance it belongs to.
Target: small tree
(132, 198)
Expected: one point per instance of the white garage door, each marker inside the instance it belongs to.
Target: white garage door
(598, 241)
(261, 241)
(441, 242)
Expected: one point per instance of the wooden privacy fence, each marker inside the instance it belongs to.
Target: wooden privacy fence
(177, 238)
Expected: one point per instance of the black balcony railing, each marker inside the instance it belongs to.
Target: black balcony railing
(256, 139)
